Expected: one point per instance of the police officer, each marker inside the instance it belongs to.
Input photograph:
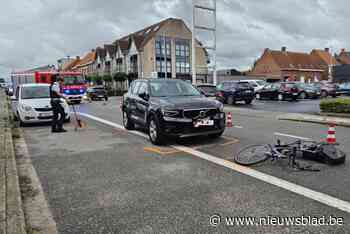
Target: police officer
(58, 110)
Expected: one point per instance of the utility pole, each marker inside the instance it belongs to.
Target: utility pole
(165, 58)
(330, 71)
(195, 26)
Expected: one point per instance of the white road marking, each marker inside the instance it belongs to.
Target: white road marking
(237, 126)
(303, 191)
(291, 136)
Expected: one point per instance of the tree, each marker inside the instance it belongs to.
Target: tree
(120, 78)
(88, 78)
(97, 79)
(107, 78)
(108, 82)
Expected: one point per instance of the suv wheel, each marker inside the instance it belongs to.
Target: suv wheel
(230, 100)
(324, 94)
(280, 97)
(128, 124)
(248, 101)
(154, 132)
(302, 95)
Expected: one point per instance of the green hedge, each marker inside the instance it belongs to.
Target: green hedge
(339, 105)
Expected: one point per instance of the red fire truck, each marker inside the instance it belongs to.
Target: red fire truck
(74, 87)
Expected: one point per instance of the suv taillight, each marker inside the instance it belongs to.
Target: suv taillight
(219, 94)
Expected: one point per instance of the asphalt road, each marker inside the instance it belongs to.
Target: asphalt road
(309, 106)
(103, 179)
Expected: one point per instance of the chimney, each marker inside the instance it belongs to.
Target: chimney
(93, 50)
(78, 57)
(326, 49)
(343, 50)
(284, 49)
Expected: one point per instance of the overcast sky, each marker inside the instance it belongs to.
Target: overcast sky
(38, 32)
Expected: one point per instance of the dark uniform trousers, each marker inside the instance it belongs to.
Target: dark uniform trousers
(58, 114)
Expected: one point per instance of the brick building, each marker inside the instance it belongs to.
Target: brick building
(343, 57)
(293, 66)
(86, 65)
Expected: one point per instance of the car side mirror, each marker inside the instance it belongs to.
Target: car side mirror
(144, 96)
(10, 94)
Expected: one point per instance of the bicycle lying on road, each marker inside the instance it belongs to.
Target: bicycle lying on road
(311, 150)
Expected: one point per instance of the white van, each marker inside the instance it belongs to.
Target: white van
(31, 104)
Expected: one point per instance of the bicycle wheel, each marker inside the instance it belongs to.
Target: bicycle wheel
(252, 155)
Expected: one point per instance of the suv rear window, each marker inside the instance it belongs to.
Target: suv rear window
(243, 85)
(290, 85)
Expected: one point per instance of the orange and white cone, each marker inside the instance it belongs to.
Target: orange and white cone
(331, 134)
(229, 120)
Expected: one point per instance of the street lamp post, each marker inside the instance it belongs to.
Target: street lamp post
(330, 70)
(211, 9)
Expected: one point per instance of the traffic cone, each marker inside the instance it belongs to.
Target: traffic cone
(229, 120)
(331, 134)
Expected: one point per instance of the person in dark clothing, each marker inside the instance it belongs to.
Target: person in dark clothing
(58, 110)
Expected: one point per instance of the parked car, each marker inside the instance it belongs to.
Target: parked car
(31, 104)
(308, 91)
(327, 89)
(97, 93)
(256, 84)
(2, 83)
(171, 107)
(279, 91)
(9, 90)
(344, 89)
(231, 92)
(207, 90)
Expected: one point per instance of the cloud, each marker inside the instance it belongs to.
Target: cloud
(38, 32)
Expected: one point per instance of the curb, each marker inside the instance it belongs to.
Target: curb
(11, 213)
(38, 216)
(324, 121)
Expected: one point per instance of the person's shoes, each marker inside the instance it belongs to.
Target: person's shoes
(62, 130)
(54, 131)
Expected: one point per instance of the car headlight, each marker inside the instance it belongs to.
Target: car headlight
(221, 108)
(26, 108)
(170, 113)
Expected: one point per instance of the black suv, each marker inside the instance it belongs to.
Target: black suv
(232, 91)
(170, 107)
(97, 93)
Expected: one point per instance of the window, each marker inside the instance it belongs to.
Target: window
(73, 80)
(135, 87)
(163, 56)
(35, 92)
(172, 88)
(143, 88)
(182, 52)
(220, 86)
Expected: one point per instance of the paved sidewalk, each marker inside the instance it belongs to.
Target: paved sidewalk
(315, 119)
(11, 213)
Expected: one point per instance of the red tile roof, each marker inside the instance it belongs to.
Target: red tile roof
(87, 59)
(69, 66)
(287, 60)
(324, 56)
(343, 57)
